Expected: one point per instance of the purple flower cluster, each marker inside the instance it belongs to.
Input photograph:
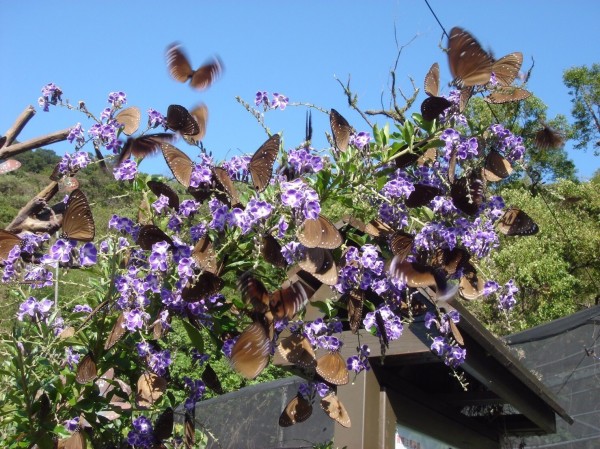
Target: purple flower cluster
(197, 389)
(303, 162)
(237, 168)
(162, 203)
(142, 435)
(319, 333)
(126, 170)
(507, 143)
(479, 237)
(256, 211)
(392, 323)
(122, 224)
(299, 196)
(106, 134)
(71, 163)
(37, 310)
(359, 362)
(364, 269)
(76, 134)
(39, 276)
(278, 101)
(360, 140)
(155, 118)
(51, 94)
(507, 300)
(117, 99)
(453, 356)
(399, 186)
(308, 390)
(465, 148)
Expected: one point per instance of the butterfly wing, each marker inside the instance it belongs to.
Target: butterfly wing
(332, 368)
(180, 164)
(467, 194)
(507, 94)
(117, 332)
(179, 119)
(496, 167)
(163, 426)
(250, 353)
(401, 244)
(332, 405)
(356, 299)
(200, 114)
(130, 119)
(8, 241)
(288, 301)
(470, 64)
(78, 222)
(432, 107)
(432, 80)
(516, 222)
(86, 370)
(506, 69)
(261, 163)
(296, 349)
(151, 234)
(271, 251)
(341, 130)
(226, 184)
(422, 195)
(297, 410)
(205, 75)
(205, 255)
(160, 188)
(178, 63)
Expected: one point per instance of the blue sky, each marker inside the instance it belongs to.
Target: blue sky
(297, 48)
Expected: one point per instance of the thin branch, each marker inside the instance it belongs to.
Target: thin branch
(353, 99)
(36, 142)
(35, 205)
(19, 124)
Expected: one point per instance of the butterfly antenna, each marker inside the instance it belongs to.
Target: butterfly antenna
(308, 126)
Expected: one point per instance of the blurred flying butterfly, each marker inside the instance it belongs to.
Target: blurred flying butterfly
(181, 69)
(287, 301)
(200, 114)
(378, 228)
(261, 163)
(506, 69)
(130, 119)
(297, 349)
(417, 275)
(546, 138)
(271, 251)
(465, 95)
(250, 353)
(516, 222)
(179, 119)
(470, 64)
(332, 405)
(332, 367)
(206, 284)
(401, 244)
(296, 411)
(507, 94)
(470, 286)
(150, 388)
(210, 378)
(151, 234)
(78, 223)
(422, 195)
(160, 188)
(8, 241)
(204, 255)
(9, 165)
(319, 232)
(117, 332)
(225, 184)
(467, 194)
(451, 260)
(86, 369)
(180, 164)
(341, 130)
(496, 167)
(354, 304)
(143, 146)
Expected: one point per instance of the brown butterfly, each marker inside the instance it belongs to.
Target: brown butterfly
(401, 244)
(297, 410)
(506, 69)
(163, 426)
(180, 164)
(332, 405)
(144, 145)
(200, 114)
(78, 223)
(75, 441)
(181, 69)
(516, 222)
(546, 138)
(150, 389)
(9, 165)
(327, 273)
(160, 188)
(319, 232)
(151, 234)
(408, 158)
(470, 64)
(86, 369)
(8, 241)
(130, 119)
(507, 94)
(470, 286)
(332, 368)
(250, 353)
(271, 251)
(285, 302)
(496, 167)
(467, 194)
(189, 430)
(432, 107)
(416, 275)
(297, 349)
(341, 130)
(261, 163)
(117, 332)
(210, 378)
(313, 260)
(451, 260)
(206, 284)
(204, 255)
(355, 300)
(179, 119)
(225, 184)
(422, 195)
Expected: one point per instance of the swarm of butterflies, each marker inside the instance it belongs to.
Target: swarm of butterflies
(438, 275)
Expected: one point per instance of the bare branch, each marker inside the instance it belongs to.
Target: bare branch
(35, 205)
(19, 124)
(353, 100)
(36, 142)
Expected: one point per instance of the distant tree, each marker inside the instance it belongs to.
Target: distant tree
(584, 85)
(37, 161)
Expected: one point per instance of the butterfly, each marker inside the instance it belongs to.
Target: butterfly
(179, 119)
(546, 138)
(250, 353)
(450, 260)
(181, 69)
(117, 332)
(130, 119)
(163, 426)
(332, 405)
(296, 349)
(206, 284)
(470, 286)
(204, 255)
(332, 367)
(160, 188)
(271, 251)
(516, 222)
(9, 165)
(75, 441)
(355, 301)
(470, 64)
(296, 411)
(401, 244)
(200, 114)
(143, 146)
(507, 94)
(261, 163)
(467, 194)
(86, 369)
(180, 164)
(327, 273)
(341, 130)
(422, 195)
(496, 167)
(416, 275)
(210, 378)
(150, 388)
(151, 234)
(506, 69)
(285, 302)
(78, 223)
(225, 184)
(8, 241)
(434, 105)
(319, 232)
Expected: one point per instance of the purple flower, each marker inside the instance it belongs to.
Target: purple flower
(142, 434)
(117, 99)
(160, 361)
(76, 134)
(88, 254)
(35, 309)
(279, 101)
(82, 308)
(197, 389)
(60, 251)
(51, 94)
(135, 319)
(126, 170)
(262, 97)
(72, 424)
(360, 140)
(303, 162)
(155, 118)
(187, 208)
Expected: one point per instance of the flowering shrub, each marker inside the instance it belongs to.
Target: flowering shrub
(187, 270)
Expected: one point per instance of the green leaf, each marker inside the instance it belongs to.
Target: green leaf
(195, 336)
